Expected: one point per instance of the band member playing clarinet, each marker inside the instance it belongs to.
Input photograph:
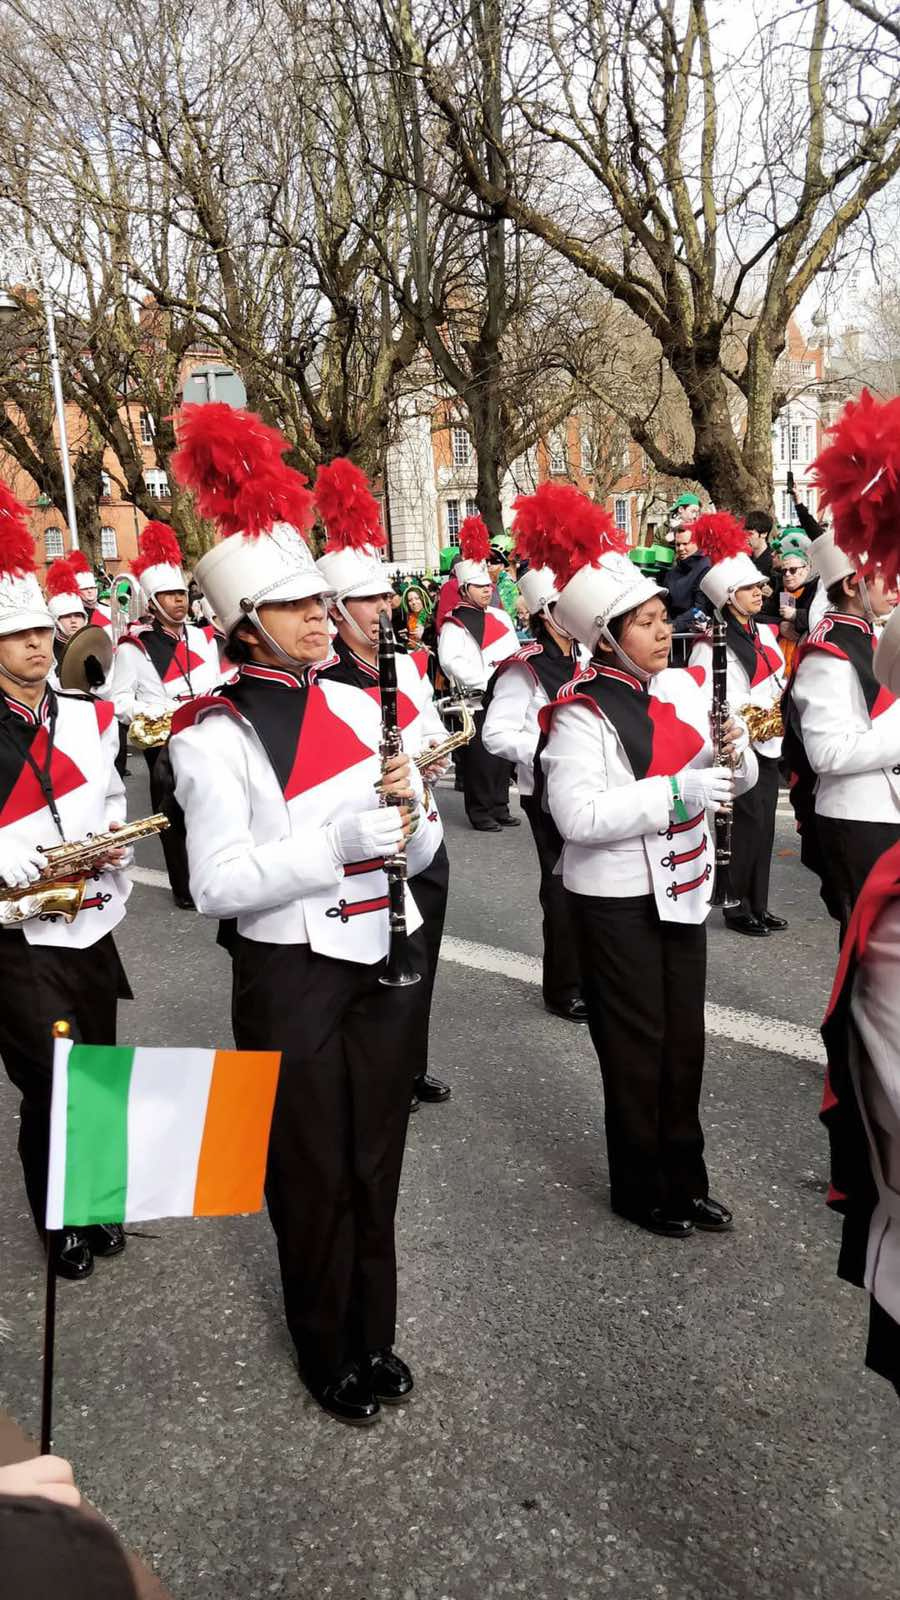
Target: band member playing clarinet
(632, 788)
(57, 782)
(281, 782)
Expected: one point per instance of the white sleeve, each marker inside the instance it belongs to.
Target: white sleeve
(134, 685)
(509, 730)
(116, 803)
(584, 808)
(230, 873)
(456, 654)
(837, 734)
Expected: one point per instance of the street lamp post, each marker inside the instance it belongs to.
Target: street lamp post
(9, 309)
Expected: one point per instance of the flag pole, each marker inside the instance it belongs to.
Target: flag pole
(61, 1030)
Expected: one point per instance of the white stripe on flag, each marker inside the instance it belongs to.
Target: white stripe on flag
(56, 1178)
(166, 1115)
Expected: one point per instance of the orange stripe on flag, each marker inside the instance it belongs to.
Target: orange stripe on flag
(232, 1164)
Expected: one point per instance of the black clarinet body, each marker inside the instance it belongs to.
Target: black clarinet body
(398, 973)
(722, 891)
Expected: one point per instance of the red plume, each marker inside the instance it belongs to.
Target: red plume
(159, 548)
(231, 461)
(347, 507)
(858, 474)
(560, 528)
(474, 539)
(60, 578)
(16, 543)
(78, 562)
(720, 535)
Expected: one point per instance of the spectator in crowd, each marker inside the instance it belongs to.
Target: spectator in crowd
(688, 608)
(759, 527)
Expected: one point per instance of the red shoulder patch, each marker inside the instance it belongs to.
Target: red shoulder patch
(494, 628)
(105, 712)
(187, 714)
(419, 658)
(698, 674)
(545, 715)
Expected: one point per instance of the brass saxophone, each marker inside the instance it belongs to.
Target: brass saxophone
(763, 722)
(148, 733)
(454, 741)
(60, 891)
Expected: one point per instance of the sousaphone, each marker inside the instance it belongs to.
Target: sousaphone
(85, 662)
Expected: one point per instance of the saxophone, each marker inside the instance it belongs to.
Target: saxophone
(149, 733)
(60, 890)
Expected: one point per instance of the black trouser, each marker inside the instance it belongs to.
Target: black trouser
(561, 973)
(122, 757)
(429, 890)
(753, 839)
(644, 982)
(336, 1148)
(174, 838)
(40, 985)
(850, 850)
(485, 779)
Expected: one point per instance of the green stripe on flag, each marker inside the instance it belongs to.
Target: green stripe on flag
(97, 1134)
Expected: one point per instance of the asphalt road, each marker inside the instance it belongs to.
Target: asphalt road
(597, 1412)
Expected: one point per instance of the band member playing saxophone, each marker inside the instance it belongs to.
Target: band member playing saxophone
(57, 782)
(280, 780)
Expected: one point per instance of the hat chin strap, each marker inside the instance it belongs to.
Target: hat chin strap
(630, 666)
(252, 616)
(547, 614)
(354, 627)
(868, 609)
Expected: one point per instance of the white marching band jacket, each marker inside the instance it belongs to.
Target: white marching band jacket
(851, 743)
(135, 686)
(467, 663)
(511, 728)
(875, 1008)
(89, 795)
(762, 688)
(621, 835)
(261, 854)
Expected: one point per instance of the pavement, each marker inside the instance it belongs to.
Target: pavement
(597, 1412)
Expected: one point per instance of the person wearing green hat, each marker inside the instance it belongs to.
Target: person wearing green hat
(797, 608)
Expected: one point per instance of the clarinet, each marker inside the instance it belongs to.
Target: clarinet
(398, 973)
(720, 715)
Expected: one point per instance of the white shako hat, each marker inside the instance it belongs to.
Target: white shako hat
(722, 538)
(158, 566)
(22, 605)
(829, 562)
(887, 654)
(231, 461)
(538, 589)
(62, 591)
(475, 544)
(82, 571)
(560, 528)
(351, 563)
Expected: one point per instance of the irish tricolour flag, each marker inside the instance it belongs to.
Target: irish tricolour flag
(137, 1134)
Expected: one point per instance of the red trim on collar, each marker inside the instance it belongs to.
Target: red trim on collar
(366, 666)
(620, 676)
(31, 716)
(283, 675)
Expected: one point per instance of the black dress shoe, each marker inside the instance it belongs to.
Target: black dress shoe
(745, 922)
(434, 1090)
(71, 1254)
(105, 1238)
(351, 1399)
(184, 902)
(414, 1104)
(659, 1221)
(574, 1011)
(510, 822)
(390, 1377)
(773, 923)
(486, 827)
(710, 1216)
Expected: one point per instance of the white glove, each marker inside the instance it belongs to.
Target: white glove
(367, 835)
(20, 863)
(706, 786)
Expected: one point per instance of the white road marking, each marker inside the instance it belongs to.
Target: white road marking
(772, 1034)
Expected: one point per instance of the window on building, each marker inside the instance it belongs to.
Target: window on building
(471, 508)
(453, 521)
(105, 486)
(787, 510)
(53, 544)
(157, 484)
(587, 453)
(109, 544)
(462, 447)
(558, 455)
(146, 425)
(795, 441)
(810, 433)
(620, 511)
(783, 441)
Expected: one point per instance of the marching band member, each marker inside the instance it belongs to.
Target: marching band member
(66, 606)
(354, 571)
(158, 665)
(286, 835)
(844, 735)
(97, 615)
(522, 685)
(632, 788)
(57, 782)
(474, 639)
(755, 683)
